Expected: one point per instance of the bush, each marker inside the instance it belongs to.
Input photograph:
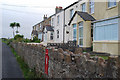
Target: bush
(36, 40)
(18, 38)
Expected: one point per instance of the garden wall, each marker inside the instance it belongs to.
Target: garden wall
(65, 64)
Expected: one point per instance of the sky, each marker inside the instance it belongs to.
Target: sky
(27, 13)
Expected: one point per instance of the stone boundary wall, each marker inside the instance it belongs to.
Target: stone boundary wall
(65, 64)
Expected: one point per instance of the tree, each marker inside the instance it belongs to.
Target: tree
(17, 25)
(12, 25)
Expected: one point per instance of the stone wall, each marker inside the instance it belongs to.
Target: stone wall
(65, 64)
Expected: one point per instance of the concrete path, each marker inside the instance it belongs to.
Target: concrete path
(10, 67)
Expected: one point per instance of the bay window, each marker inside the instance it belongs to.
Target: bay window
(81, 33)
(74, 32)
(106, 30)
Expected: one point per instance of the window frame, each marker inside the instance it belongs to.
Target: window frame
(91, 6)
(115, 4)
(83, 10)
(81, 37)
(75, 28)
(71, 13)
(58, 33)
(58, 19)
(104, 38)
(52, 21)
(51, 36)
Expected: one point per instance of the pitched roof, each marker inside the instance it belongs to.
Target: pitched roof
(84, 15)
(71, 4)
(49, 28)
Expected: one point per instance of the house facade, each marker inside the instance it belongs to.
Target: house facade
(107, 27)
(99, 27)
(88, 22)
(57, 22)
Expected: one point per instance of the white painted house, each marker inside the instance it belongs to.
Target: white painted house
(57, 22)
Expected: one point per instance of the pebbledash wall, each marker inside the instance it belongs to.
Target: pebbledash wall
(65, 64)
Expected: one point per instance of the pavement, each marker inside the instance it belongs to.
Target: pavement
(0, 60)
(10, 67)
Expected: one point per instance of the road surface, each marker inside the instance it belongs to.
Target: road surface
(10, 67)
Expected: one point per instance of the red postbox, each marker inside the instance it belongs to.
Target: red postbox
(46, 61)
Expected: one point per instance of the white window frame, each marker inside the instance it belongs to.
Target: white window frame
(76, 32)
(113, 3)
(91, 5)
(58, 33)
(105, 24)
(83, 7)
(71, 13)
(58, 19)
(80, 37)
(51, 35)
(52, 21)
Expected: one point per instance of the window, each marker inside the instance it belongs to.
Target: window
(49, 22)
(74, 32)
(106, 30)
(81, 33)
(58, 20)
(91, 4)
(51, 36)
(52, 21)
(57, 33)
(83, 7)
(71, 13)
(111, 3)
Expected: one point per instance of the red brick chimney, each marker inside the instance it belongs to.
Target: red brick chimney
(58, 9)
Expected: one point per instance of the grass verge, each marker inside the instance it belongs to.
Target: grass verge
(27, 72)
(104, 57)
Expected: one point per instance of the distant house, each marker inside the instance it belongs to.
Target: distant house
(34, 33)
(40, 27)
(48, 34)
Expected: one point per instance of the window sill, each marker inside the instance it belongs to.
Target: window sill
(92, 13)
(109, 8)
(107, 41)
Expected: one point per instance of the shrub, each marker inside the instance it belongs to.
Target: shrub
(18, 38)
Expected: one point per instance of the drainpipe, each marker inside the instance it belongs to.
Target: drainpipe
(64, 28)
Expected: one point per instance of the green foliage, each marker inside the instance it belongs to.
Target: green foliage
(7, 41)
(17, 25)
(36, 40)
(27, 40)
(18, 38)
(12, 25)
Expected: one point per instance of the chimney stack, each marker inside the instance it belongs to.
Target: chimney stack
(45, 17)
(58, 9)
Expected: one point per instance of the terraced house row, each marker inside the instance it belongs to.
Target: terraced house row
(90, 22)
